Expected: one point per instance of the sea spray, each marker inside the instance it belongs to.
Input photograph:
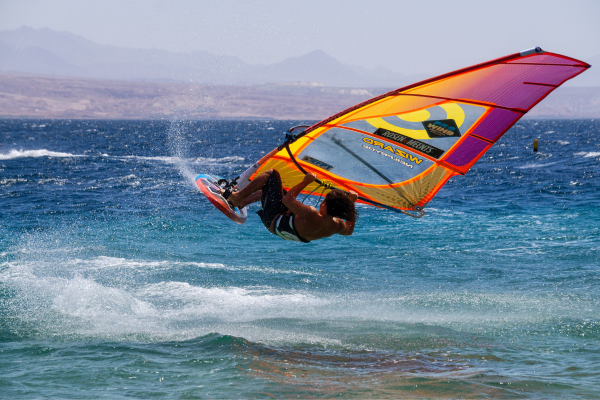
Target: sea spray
(179, 147)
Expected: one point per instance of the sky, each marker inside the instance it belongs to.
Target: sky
(410, 37)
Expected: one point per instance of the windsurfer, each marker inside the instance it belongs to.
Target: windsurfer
(285, 216)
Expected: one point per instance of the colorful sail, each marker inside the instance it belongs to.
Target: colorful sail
(397, 150)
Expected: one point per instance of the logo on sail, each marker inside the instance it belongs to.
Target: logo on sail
(410, 142)
(441, 128)
(318, 163)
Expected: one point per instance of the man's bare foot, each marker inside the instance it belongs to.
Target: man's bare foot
(233, 198)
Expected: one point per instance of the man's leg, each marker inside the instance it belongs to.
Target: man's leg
(245, 196)
(254, 197)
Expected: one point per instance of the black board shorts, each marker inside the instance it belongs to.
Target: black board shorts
(272, 199)
(272, 206)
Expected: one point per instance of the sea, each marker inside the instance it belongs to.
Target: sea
(118, 279)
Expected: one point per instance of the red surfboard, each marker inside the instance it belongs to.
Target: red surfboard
(209, 187)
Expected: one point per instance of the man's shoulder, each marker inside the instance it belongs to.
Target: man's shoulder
(344, 227)
(340, 222)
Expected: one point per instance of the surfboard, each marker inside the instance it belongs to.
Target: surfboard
(208, 185)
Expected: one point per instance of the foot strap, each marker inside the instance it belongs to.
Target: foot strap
(226, 193)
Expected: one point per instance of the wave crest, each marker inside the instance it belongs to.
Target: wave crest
(13, 154)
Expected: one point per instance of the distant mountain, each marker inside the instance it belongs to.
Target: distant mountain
(316, 66)
(47, 52)
(43, 51)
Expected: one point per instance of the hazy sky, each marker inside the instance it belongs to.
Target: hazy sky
(405, 36)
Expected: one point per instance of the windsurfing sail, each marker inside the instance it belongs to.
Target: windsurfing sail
(397, 150)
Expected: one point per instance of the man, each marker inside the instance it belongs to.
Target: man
(288, 218)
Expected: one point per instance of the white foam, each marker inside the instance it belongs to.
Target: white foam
(8, 181)
(174, 310)
(104, 262)
(588, 154)
(215, 161)
(198, 160)
(117, 297)
(13, 154)
(59, 182)
(178, 160)
(229, 304)
(165, 159)
(534, 165)
(63, 305)
(84, 298)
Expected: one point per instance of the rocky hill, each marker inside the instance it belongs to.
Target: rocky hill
(51, 97)
(34, 96)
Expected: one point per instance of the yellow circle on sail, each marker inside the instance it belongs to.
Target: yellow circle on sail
(453, 111)
(415, 116)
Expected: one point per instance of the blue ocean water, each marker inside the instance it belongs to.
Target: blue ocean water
(117, 278)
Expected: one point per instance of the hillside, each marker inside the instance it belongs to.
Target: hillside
(32, 96)
(52, 97)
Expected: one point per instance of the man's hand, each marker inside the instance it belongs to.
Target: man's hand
(309, 178)
(352, 196)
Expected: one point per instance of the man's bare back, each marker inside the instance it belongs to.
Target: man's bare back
(315, 224)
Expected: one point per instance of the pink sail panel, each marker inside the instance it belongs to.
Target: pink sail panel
(503, 85)
(497, 122)
(467, 153)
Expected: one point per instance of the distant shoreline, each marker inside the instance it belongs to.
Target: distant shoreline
(46, 97)
(4, 117)
(149, 119)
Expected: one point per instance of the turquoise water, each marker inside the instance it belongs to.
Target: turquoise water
(118, 280)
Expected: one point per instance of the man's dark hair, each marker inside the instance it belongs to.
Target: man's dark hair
(339, 205)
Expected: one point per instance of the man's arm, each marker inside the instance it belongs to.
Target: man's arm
(348, 225)
(289, 200)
